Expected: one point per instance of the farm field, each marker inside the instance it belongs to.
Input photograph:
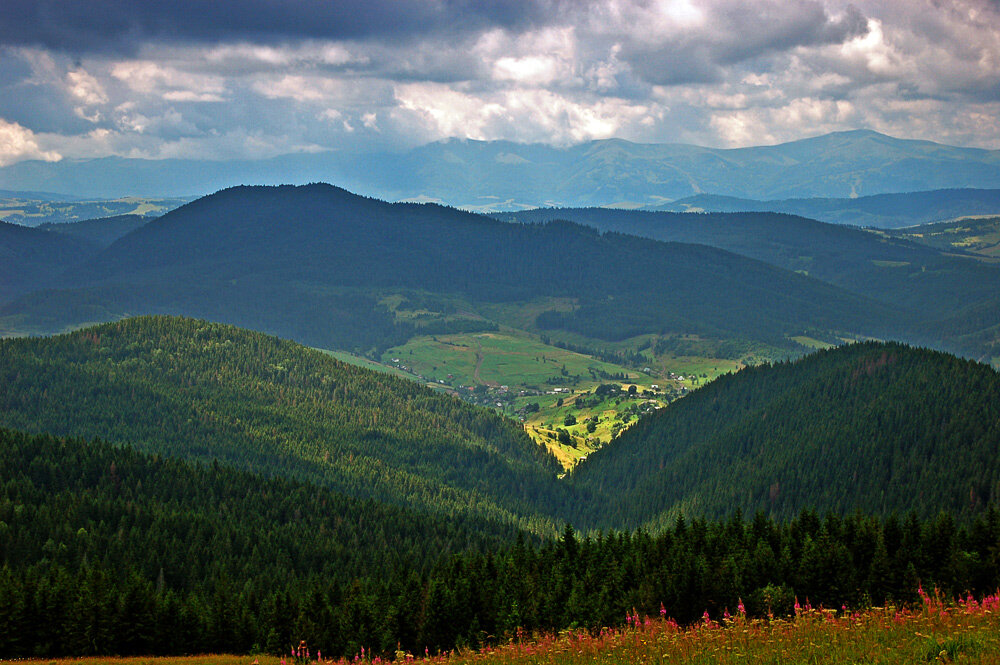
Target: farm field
(555, 392)
(976, 235)
(32, 212)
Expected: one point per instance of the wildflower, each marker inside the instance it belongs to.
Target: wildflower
(741, 608)
(663, 611)
(707, 619)
(797, 608)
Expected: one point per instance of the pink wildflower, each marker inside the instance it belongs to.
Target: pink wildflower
(740, 608)
(663, 611)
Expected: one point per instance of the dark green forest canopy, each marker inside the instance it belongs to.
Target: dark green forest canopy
(101, 231)
(203, 391)
(105, 550)
(878, 427)
(31, 258)
(874, 427)
(939, 291)
(309, 263)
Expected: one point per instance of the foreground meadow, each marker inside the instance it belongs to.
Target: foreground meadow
(966, 632)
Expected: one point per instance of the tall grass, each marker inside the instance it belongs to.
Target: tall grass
(967, 631)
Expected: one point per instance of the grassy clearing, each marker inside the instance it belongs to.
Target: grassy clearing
(512, 371)
(525, 377)
(811, 342)
(977, 235)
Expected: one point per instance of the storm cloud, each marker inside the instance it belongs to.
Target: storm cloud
(258, 78)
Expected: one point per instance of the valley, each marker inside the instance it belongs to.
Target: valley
(616, 332)
(406, 425)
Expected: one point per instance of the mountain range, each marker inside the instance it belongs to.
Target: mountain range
(500, 175)
(887, 211)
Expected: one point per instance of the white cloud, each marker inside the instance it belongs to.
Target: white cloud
(18, 143)
(716, 72)
(151, 78)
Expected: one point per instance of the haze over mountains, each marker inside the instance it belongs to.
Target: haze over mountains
(501, 175)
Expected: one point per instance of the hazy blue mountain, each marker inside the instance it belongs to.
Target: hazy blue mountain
(888, 211)
(500, 175)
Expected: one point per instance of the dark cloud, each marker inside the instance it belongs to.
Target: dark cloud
(120, 25)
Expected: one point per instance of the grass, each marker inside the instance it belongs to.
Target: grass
(966, 632)
(515, 369)
(811, 342)
(976, 234)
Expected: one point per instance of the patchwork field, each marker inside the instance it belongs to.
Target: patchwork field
(572, 402)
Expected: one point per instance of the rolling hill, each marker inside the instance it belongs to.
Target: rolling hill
(877, 427)
(31, 259)
(936, 283)
(101, 231)
(316, 264)
(204, 392)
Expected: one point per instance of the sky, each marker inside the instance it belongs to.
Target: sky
(247, 79)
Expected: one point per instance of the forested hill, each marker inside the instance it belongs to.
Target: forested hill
(880, 210)
(872, 426)
(204, 391)
(104, 550)
(102, 231)
(940, 290)
(31, 258)
(311, 263)
(826, 251)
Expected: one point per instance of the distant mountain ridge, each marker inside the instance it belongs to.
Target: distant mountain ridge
(888, 211)
(502, 175)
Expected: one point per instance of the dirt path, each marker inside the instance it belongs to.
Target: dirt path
(479, 364)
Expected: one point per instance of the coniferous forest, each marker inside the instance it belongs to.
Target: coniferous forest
(235, 492)
(107, 550)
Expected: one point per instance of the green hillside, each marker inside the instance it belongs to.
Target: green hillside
(106, 550)
(873, 427)
(932, 284)
(203, 391)
(318, 264)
